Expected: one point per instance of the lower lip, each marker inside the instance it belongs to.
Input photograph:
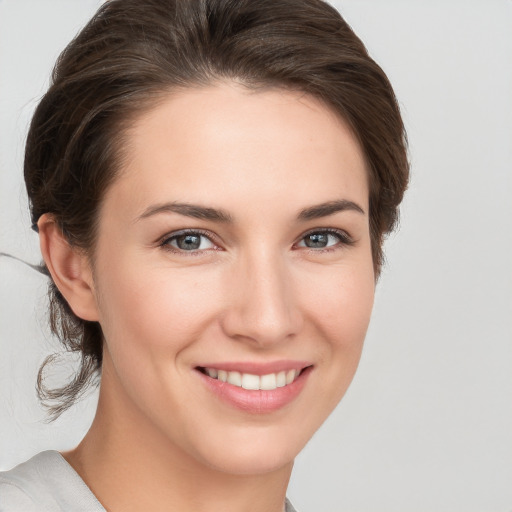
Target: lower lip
(257, 401)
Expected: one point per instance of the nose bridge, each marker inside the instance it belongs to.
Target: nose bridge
(263, 307)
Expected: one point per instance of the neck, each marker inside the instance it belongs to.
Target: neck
(130, 466)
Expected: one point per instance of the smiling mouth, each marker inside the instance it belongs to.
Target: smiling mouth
(250, 381)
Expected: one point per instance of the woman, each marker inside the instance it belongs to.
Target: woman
(211, 182)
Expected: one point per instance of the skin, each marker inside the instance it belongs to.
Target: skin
(253, 292)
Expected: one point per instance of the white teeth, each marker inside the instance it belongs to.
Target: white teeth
(268, 382)
(281, 379)
(235, 378)
(250, 381)
(290, 376)
(254, 382)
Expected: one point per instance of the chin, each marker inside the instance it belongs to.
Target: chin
(251, 452)
(253, 462)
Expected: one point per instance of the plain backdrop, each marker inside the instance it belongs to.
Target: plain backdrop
(427, 423)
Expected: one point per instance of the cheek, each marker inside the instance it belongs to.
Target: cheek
(341, 307)
(340, 314)
(157, 308)
(150, 317)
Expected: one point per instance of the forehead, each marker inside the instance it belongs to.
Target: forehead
(228, 143)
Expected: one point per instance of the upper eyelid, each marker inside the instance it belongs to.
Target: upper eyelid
(173, 234)
(335, 231)
(324, 230)
(186, 231)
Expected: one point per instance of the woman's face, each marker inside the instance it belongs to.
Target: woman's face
(234, 246)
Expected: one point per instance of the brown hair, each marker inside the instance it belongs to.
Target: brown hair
(132, 52)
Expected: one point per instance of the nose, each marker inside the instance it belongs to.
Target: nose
(262, 307)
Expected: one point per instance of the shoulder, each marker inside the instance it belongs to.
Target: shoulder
(289, 506)
(47, 483)
(22, 488)
(13, 498)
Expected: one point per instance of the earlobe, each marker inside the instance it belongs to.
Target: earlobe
(69, 268)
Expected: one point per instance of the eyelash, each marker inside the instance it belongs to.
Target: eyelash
(344, 239)
(166, 241)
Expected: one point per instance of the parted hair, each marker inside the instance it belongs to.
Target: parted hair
(133, 52)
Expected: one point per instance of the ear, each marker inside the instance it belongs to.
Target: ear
(69, 268)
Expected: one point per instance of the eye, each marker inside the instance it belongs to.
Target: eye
(324, 239)
(188, 241)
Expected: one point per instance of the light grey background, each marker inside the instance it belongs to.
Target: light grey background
(427, 423)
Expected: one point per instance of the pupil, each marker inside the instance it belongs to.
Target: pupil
(188, 242)
(316, 240)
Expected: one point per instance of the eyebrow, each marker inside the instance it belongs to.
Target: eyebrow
(329, 208)
(188, 210)
(219, 215)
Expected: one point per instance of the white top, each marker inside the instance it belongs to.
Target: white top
(47, 483)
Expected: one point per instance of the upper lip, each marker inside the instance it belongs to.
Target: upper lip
(257, 368)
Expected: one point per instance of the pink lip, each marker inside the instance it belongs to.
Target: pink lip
(257, 401)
